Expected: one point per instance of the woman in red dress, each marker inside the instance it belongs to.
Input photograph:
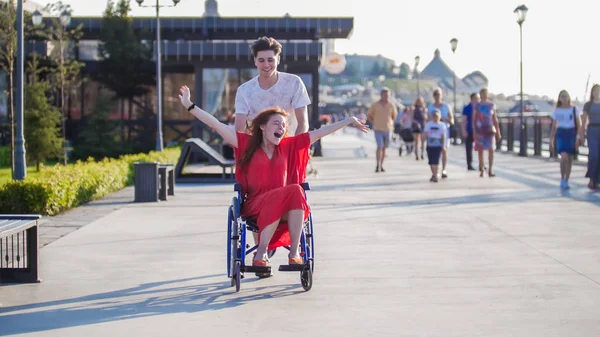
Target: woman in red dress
(270, 167)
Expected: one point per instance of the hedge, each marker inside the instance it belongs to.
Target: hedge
(60, 187)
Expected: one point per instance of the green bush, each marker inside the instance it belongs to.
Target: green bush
(60, 188)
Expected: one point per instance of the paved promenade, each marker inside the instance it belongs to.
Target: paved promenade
(396, 255)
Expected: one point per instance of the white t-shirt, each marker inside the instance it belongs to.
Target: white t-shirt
(435, 133)
(288, 93)
(564, 117)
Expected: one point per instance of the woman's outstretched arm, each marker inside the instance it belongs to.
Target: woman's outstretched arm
(331, 128)
(223, 130)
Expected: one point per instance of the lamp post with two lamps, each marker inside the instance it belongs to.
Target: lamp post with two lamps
(521, 13)
(159, 132)
(453, 45)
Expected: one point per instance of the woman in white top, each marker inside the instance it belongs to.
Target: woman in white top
(565, 137)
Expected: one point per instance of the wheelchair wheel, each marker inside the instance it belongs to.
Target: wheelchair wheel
(234, 244)
(237, 279)
(306, 278)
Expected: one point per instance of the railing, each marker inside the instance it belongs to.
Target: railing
(538, 126)
(537, 133)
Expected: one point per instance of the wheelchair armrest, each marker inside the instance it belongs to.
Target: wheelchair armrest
(237, 187)
(305, 186)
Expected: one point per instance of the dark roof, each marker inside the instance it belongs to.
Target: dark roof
(476, 75)
(437, 68)
(231, 28)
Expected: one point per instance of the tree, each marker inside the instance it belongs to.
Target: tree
(404, 70)
(99, 137)
(65, 67)
(126, 66)
(43, 124)
(8, 47)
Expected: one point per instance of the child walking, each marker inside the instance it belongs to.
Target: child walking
(435, 131)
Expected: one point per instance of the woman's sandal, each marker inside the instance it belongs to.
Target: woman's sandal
(261, 263)
(296, 260)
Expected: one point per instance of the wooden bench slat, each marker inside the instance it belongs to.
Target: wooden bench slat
(9, 226)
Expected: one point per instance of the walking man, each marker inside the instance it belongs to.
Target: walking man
(467, 129)
(382, 115)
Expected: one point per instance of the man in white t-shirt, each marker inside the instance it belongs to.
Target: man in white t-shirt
(271, 88)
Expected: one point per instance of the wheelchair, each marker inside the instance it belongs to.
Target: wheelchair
(238, 248)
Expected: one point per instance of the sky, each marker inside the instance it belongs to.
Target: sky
(560, 38)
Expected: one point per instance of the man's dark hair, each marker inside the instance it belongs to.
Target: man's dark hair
(265, 43)
(473, 95)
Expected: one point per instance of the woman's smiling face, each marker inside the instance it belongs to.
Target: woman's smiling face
(275, 129)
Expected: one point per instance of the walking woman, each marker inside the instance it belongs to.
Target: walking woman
(566, 134)
(591, 113)
(485, 131)
(419, 117)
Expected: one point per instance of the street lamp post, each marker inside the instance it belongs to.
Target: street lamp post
(453, 45)
(159, 132)
(417, 59)
(20, 166)
(521, 13)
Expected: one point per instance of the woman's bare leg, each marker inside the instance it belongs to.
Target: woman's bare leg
(265, 237)
(491, 161)
(417, 142)
(295, 223)
(564, 160)
(568, 167)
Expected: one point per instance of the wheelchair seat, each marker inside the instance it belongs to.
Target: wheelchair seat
(251, 225)
(238, 188)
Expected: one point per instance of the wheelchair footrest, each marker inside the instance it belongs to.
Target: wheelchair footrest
(292, 267)
(256, 269)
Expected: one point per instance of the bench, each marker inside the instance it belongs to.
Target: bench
(19, 250)
(166, 175)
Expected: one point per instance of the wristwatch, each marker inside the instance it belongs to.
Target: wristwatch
(191, 106)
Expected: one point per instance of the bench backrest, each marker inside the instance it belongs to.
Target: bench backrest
(210, 151)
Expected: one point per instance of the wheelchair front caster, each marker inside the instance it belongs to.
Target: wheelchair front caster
(306, 278)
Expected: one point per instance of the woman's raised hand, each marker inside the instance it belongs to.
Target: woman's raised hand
(362, 127)
(185, 96)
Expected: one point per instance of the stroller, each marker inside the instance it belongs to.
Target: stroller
(406, 138)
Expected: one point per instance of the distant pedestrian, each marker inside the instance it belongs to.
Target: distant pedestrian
(447, 117)
(382, 115)
(486, 131)
(467, 129)
(566, 135)
(419, 118)
(436, 133)
(591, 112)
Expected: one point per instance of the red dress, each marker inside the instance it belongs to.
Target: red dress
(272, 186)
